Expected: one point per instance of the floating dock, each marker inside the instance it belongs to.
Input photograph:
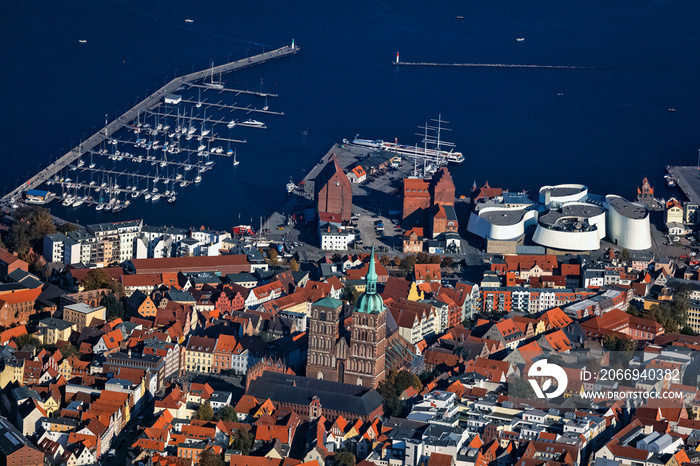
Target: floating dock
(147, 105)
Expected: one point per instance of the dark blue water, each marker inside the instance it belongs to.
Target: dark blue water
(609, 129)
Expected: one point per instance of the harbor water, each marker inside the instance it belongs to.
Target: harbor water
(606, 123)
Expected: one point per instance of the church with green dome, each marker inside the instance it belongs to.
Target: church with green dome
(354, 355)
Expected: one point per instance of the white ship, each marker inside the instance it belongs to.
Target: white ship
(431, 136)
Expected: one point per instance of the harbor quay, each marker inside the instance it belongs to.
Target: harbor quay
(148, 104)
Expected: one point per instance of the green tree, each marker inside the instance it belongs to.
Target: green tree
(228, 413)
(555, 359)
(407, 264)
(688, 330)
(69, 350)
(423, 258)
(520, 388)
(621, 350)
(27, 339)
(344, 458)
(115, 309)
(243, 441)
(66, 227)
(96, 279)
(671, 315)
(209, 458)
(293, 265)
(392, 386)
(634, 310)
(446, 262)
(204, 412)
(31, 225)
(349, 294)
(405, 379)
(625, 254)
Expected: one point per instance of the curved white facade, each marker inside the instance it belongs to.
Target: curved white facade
(557, 196)
(628, 223)
(577, 226)
(501, 223)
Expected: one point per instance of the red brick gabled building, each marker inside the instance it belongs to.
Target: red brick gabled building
(333, 190)
(416, 198)
(17, 305)
(9, 263)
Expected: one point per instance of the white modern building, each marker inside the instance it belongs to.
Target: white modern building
(501, 223)
(628, 223)
(556, 196)
(575, 226)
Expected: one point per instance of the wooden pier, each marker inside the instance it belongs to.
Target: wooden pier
(147, 104)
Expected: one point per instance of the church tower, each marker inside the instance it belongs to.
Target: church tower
(368, 339)
(325, 343)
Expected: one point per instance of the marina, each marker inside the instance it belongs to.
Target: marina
(169, 137)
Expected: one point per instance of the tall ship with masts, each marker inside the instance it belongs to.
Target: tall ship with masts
(432, 145)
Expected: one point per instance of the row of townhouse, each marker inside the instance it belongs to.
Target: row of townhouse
(105, 243)
(529, 300)
(217, 355)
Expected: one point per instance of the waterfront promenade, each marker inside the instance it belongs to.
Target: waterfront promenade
(147, 104)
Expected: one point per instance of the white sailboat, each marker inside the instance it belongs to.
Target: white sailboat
(212, 83)
(235, 161)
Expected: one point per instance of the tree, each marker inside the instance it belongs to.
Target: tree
(671, 315)
(27, 339)
(243, 441)
(520, 388)
(228, 413)
(621, 350)
(349, 294)
(397, 261)
(115, 309)
(204, 412)
(391, 387)
(384, 260)
(407, 264)
(272, 256)
(66, 227)
(293, 265)
(405, 379)
(688, 330)
(634, 310)
(97, 279)
(68, 351)
(209, 458)
(423, 258)
(344, 458)
(555, 359)
(435, 260)
(625, 254)
(446, 262)
(31, 225)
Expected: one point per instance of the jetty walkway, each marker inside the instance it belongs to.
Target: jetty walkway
(147, 104)
(494, 65)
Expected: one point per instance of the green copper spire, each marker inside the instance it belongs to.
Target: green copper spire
(370, 302)
(371, 277)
